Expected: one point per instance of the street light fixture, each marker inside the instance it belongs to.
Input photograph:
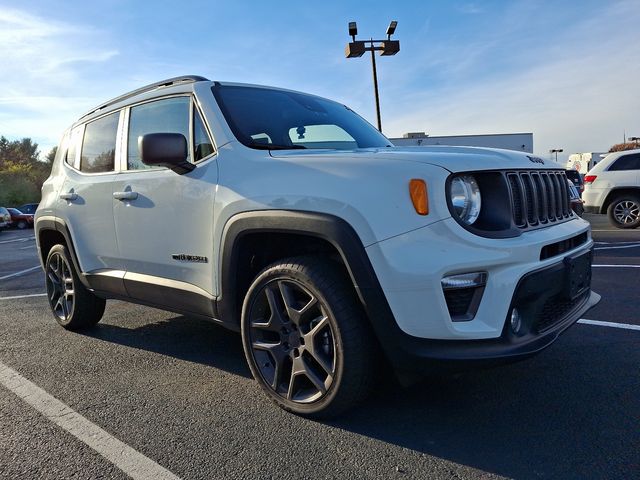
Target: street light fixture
(356, 48)
(634, 139)
(353, 30)
(556, 151)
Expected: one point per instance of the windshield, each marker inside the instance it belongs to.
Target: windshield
(269, 119)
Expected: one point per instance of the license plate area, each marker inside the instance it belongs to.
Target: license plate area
(578, 274)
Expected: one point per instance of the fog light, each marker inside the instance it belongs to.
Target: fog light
(516, 321)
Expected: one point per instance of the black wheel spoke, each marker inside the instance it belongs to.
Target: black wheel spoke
(267, 347)
(278, 357)
(308, 372)
(276, 320)
(297, 316)
(325, 360)
(53, 277)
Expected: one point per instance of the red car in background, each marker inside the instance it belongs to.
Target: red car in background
(20, 220)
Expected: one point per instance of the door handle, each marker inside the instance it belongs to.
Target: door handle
(69, 196)
(128, 195)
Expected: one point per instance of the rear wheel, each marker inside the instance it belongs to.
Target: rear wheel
(73, 306)
(306, 339)
(22, 225)
(624, 211)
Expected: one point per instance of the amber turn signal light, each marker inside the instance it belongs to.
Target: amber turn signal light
(418, 192)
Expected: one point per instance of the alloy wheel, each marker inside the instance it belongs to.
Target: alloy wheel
(292, 341)
(626, 212)
(60, 289)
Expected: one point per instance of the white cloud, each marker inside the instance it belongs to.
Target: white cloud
(40, 86)
(469, 8)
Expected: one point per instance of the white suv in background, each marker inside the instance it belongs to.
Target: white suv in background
(287, 217)
(613, 187)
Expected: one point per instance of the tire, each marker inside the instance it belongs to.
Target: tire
(306, 338)
(22, 225)
(624, 211)
(73, 306)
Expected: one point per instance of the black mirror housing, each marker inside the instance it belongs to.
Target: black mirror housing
(165, 150)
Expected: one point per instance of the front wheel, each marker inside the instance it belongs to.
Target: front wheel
(624, 212)
(306, 339)
(73, 306)
(22, 225)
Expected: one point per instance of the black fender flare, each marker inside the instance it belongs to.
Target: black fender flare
(58, 225)
(336, 231)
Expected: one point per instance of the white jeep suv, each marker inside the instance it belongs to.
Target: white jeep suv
(290, 219)
(613, 187)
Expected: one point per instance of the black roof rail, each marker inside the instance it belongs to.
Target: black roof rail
(147, 88)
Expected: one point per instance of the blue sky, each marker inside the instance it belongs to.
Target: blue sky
(567, 71)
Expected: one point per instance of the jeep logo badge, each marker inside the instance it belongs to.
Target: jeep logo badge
(535, 159)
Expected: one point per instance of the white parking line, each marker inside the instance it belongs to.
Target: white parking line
(617, 246)
(609, 266)
(599, 323)
(616, 243)
(21, 272)
(18, 240)
(130, 461)
(16, 297)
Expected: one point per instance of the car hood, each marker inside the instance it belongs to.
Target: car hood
(454, 159)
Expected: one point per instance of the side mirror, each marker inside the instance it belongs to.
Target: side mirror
(165, 150)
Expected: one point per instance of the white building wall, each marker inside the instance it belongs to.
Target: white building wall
(522, 142)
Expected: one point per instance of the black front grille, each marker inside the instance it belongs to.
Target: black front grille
(555, 309)
(562, 246)
(538, 197)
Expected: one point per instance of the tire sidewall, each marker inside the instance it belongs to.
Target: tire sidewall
(270, 275)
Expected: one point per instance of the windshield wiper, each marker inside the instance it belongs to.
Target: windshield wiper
(273, 146)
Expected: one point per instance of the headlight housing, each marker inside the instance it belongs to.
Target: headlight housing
(465, 197)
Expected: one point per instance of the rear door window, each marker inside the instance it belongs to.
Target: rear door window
(626, 162)
(99, 145)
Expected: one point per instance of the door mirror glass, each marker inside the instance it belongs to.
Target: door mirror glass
(165, 150)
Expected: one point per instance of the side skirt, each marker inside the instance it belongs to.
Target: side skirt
(156, 292)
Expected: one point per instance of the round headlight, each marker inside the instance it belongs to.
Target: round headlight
(465, 198)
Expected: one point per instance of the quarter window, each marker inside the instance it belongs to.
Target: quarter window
(201, 141)
(170, 115)
(99, 145)
(627, 162)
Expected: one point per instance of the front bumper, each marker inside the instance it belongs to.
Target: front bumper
(416, 355)
(421, 330)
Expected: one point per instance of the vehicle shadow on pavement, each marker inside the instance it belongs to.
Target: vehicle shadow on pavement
(183, 338)
(553, 417)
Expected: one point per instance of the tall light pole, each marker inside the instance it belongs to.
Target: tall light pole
(356, 48)
(556, 151)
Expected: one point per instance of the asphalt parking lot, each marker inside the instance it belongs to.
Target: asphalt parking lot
(177, 392)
